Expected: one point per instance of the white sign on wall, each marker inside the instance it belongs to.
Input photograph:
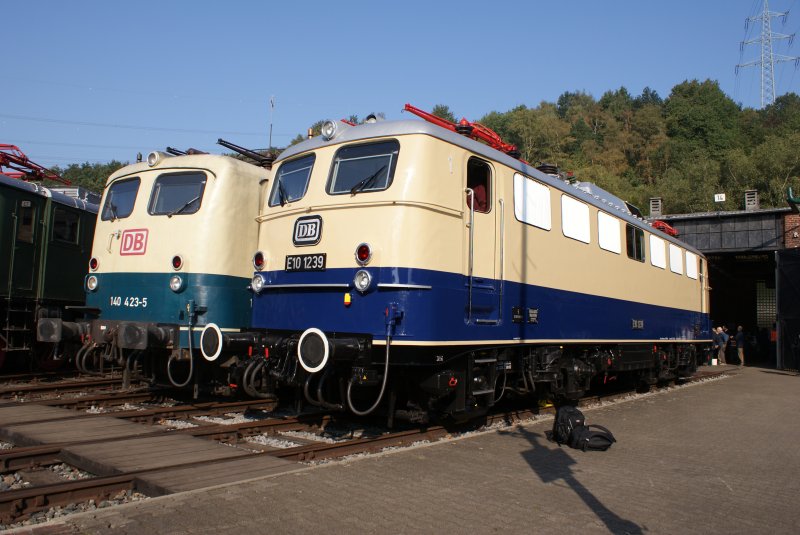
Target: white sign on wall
(719, 197)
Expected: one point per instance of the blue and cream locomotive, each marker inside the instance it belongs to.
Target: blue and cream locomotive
(411, 266)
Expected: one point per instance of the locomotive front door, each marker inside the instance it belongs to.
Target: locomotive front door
(482, 214)
(26, 234)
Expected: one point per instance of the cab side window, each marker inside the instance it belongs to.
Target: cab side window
(479, 180)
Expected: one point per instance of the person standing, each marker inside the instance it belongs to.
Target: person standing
(715, 339)
(723, 345)
(740, 345)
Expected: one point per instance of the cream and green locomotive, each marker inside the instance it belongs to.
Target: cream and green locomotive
(172, 252)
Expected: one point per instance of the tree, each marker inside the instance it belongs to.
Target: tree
(700, 113)
(443, 112)
(91, 176)
(570, 104)
(648, 97)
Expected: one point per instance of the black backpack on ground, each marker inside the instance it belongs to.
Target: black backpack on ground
(569, 428)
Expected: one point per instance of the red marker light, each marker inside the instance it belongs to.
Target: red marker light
(363, 253)
(258, 261)
(93, 263)
(177, 262)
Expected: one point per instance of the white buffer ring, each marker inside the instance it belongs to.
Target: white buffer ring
(215, 331)
(326, 350)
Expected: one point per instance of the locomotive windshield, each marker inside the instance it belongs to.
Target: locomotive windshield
(291, 181)
(360, 168)
(177, 193)
(120, 199)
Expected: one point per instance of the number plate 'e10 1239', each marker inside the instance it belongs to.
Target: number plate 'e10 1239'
(305, 262)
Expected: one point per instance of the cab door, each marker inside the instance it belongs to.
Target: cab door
(27, 233)
(481, 219)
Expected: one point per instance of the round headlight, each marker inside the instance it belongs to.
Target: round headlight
(91, 283)
(176, 283)
(328, 129)
(153, 158)
(362, 280)
(257, 284)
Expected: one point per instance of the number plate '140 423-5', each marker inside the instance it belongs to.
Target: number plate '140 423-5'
(305, 262)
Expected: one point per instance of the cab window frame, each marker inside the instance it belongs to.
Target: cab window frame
(275, 198)
(112, 212)
(360, 152)
(476, 179)
(189, 206)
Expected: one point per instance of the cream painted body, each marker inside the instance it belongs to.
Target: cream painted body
(217, 239)
(422, 221)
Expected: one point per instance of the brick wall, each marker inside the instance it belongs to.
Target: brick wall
(791, 237)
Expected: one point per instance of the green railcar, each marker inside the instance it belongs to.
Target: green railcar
(45, 242)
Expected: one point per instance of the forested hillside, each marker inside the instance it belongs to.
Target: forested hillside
(683, 148)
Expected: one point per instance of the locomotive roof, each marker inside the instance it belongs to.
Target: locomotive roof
(210, 162)
(588, 193)
(56, 196)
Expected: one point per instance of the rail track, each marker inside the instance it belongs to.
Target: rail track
(251, 427)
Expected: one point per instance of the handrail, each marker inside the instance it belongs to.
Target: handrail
(471, 193)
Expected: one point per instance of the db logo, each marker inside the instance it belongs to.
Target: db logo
(134, 242)
(307, 230)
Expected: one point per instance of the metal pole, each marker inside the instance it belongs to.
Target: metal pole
(778, 321)
(271, 109)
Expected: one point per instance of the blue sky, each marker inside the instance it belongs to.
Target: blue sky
(100, 80)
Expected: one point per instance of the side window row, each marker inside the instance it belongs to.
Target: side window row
(532, 207)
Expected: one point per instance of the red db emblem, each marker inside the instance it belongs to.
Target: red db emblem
(134, 242)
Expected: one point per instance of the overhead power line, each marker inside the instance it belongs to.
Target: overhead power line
(127, 126)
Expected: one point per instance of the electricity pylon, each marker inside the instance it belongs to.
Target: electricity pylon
(768, 58)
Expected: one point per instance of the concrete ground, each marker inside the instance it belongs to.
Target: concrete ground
(722, 456)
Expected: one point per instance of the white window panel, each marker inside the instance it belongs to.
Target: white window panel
(575, 219)
(608, 233)
(532, 202)
(658, 253)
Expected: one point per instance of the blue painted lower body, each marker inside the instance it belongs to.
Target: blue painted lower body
(147, 298)
(501, 311)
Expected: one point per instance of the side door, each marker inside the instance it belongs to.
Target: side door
(481, 219)
(26, 237)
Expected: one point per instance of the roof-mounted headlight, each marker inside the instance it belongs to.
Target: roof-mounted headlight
(155, 157)
(329, 129)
